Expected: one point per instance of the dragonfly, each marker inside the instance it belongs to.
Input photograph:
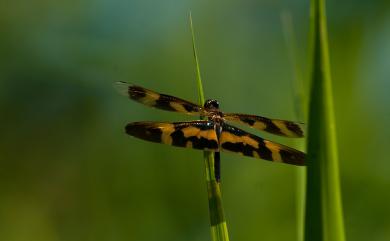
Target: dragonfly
(213, 133)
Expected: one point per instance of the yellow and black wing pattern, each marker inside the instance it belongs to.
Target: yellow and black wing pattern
(157, 100)
(273, 126)
(203, 136)
(233, 139)
(194, 134)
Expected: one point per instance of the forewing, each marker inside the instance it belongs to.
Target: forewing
(236, 140)
(195, 134)
(274, 126)
(157, 100)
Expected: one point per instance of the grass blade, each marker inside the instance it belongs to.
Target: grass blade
(218, 227)
(197, 68)
(300, 101)
(324, 216)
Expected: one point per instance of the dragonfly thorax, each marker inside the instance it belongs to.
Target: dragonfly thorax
(214, 114)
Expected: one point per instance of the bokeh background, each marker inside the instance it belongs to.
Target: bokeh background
(69, 172)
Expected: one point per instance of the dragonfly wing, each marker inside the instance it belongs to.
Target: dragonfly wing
(194, 134)
(236, 140)
(157, 100)
(274, 126)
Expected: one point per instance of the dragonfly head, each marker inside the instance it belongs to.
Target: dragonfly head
(211, 104)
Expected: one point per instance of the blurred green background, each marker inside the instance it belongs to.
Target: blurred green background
(69, 172)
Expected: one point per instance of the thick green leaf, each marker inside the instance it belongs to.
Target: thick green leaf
(324, 216)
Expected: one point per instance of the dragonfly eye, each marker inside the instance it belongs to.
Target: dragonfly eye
(211, 104)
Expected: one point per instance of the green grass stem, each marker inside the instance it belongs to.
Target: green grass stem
(219, 231)
(299, 95)
(324, 216)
